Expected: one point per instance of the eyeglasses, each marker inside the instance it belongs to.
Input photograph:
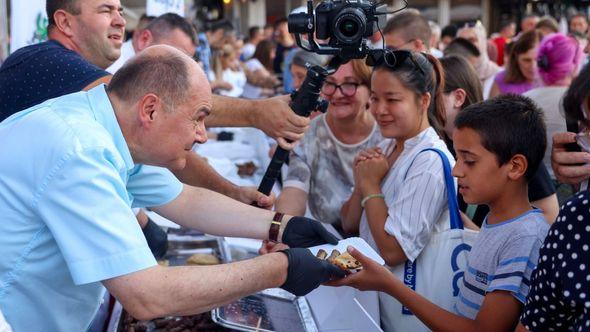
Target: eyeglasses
(392, 59)
(347, 89)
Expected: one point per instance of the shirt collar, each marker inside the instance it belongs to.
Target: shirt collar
(414, 141)
(105, 114)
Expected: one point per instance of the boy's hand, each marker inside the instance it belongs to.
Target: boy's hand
(569, 167)
(371, 172)
(372, 277)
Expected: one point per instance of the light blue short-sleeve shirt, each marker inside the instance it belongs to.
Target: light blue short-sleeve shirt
(67, 187)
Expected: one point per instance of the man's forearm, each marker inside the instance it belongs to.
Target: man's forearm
(198, 173)
(216, 214)
(187, 290)
(231, 112)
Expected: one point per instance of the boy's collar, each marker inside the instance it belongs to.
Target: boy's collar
(486, 225)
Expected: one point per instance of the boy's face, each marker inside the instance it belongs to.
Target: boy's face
(480, 177)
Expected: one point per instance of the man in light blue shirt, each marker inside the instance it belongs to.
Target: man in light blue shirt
(72, 168)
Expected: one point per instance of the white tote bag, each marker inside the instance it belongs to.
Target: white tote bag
(438, 270)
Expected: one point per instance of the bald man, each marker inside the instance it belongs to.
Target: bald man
(85, 37)
(67, 195)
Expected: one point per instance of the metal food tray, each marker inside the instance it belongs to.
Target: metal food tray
(180, 248)
(268, 311)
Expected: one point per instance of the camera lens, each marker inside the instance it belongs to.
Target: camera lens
(349, 28)
(350, 25)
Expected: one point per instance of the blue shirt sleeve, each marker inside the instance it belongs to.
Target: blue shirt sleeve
(85, 205)
(152, 186)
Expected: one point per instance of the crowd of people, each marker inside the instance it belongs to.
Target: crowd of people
(89, 118)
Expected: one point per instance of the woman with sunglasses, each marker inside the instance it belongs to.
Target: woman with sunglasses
(320, 167)
(399, 198)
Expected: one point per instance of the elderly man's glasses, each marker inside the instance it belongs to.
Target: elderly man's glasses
(347, 89)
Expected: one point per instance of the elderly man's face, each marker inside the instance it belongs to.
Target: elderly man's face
(184, 126)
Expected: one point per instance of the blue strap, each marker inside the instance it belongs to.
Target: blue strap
(456, 222)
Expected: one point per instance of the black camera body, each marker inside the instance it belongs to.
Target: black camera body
(345, 24)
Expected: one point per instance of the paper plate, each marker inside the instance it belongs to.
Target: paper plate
(356, 242)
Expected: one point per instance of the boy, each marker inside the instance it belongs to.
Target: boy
(499, 145)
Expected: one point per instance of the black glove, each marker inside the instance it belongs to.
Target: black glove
(303, 232)
(306, 272)
(156, 238)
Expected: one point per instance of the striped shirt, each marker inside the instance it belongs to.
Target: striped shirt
(503, 257)
(416, 196)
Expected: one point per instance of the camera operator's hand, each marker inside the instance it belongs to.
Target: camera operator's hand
(301, 232)
(569, 167)
(306, 272)
(249, 195)
(275, 118)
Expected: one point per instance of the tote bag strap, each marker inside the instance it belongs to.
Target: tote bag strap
(455, 217)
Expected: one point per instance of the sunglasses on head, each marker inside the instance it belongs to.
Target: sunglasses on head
(392, 59)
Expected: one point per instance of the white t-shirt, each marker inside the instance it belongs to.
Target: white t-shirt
(252, 91)
(127, 52)
(248, 51)
(416, 202)
(549, 100)
(237, 79)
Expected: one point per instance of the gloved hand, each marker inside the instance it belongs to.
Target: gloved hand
(306, 272)
(303, 232)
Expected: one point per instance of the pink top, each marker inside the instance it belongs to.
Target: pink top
(516, 88)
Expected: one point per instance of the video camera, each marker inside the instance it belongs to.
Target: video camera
(346, 24)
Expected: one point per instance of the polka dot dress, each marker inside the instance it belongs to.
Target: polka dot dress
(559, 297)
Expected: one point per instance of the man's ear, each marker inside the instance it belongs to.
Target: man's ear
(518, 166)
(419, 45)
(63, 22)
(149, 107)
(460, 96)
(145, 40)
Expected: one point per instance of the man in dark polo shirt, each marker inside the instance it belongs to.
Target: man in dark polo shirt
(85, 37)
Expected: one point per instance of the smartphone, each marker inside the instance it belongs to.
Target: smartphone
(573, 127)
(583, 141)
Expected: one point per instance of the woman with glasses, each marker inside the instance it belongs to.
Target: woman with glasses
(320, 167)
(399, 199)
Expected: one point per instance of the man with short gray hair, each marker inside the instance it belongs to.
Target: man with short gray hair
(408, 30)
(67, 205)
(85, 37)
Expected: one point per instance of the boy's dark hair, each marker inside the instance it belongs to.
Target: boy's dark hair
(463, 47)
(51, 6)
(508, 125)
(164, 24)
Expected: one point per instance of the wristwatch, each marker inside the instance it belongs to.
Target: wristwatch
(275, 226)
